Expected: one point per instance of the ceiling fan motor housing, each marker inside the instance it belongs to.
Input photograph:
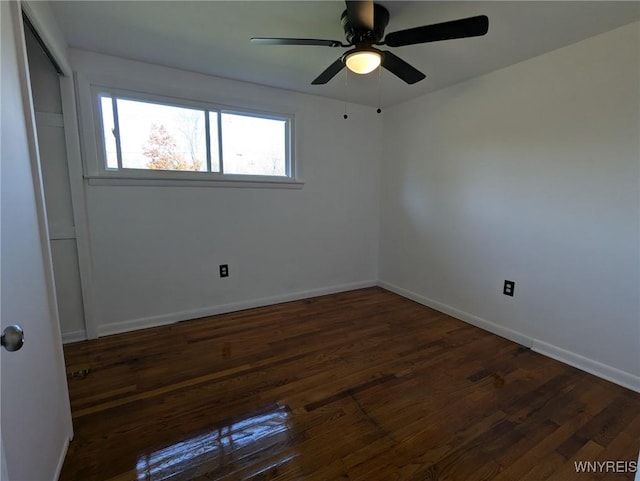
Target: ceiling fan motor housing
(357, 36)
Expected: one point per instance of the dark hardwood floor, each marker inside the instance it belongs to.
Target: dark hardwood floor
(362, 385)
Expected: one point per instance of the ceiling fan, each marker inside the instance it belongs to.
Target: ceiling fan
(364, 23)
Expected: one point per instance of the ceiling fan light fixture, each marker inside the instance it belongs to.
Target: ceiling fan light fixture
(363, 61)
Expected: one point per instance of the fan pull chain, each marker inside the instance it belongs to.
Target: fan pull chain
(379, 87)
(346, 74)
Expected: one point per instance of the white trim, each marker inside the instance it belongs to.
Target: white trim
(63, 455)
(96, 165)
(43, 20)
(78, 202)
(164, 319)
(610, 373)
(74, 336)
(164, 86)
(492, 327)
(249, 183)
(615, 375)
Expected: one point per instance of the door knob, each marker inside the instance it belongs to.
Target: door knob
(12, 338)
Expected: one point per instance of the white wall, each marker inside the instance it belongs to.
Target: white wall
(156, 250)
(530, 173)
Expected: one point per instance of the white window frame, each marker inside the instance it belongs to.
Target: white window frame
(99, 174)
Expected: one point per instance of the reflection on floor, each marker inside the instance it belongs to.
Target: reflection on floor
(220, 450)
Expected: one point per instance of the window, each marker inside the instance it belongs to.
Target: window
(157, 138)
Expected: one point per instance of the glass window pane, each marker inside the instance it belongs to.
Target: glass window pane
(253, 145)
(162, 137)
(109, 132)
(215, 141)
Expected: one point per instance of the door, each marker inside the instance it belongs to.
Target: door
(35, 415)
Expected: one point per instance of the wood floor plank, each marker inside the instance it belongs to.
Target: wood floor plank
(360, 385)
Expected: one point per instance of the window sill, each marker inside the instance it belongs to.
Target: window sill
(249, 182)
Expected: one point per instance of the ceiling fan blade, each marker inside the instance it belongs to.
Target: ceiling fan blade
(330, 72)
(465, 27)
(360, 13)
(297, 41)
(401, 69)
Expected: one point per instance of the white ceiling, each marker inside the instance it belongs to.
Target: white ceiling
(212, 37)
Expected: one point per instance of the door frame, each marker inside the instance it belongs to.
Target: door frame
(44, 23)
(34, 158)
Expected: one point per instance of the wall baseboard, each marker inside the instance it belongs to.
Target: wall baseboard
(492, 327)
(610, 373)
(63, 455)
(74, 336)
(164, 319)
(615, 375)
